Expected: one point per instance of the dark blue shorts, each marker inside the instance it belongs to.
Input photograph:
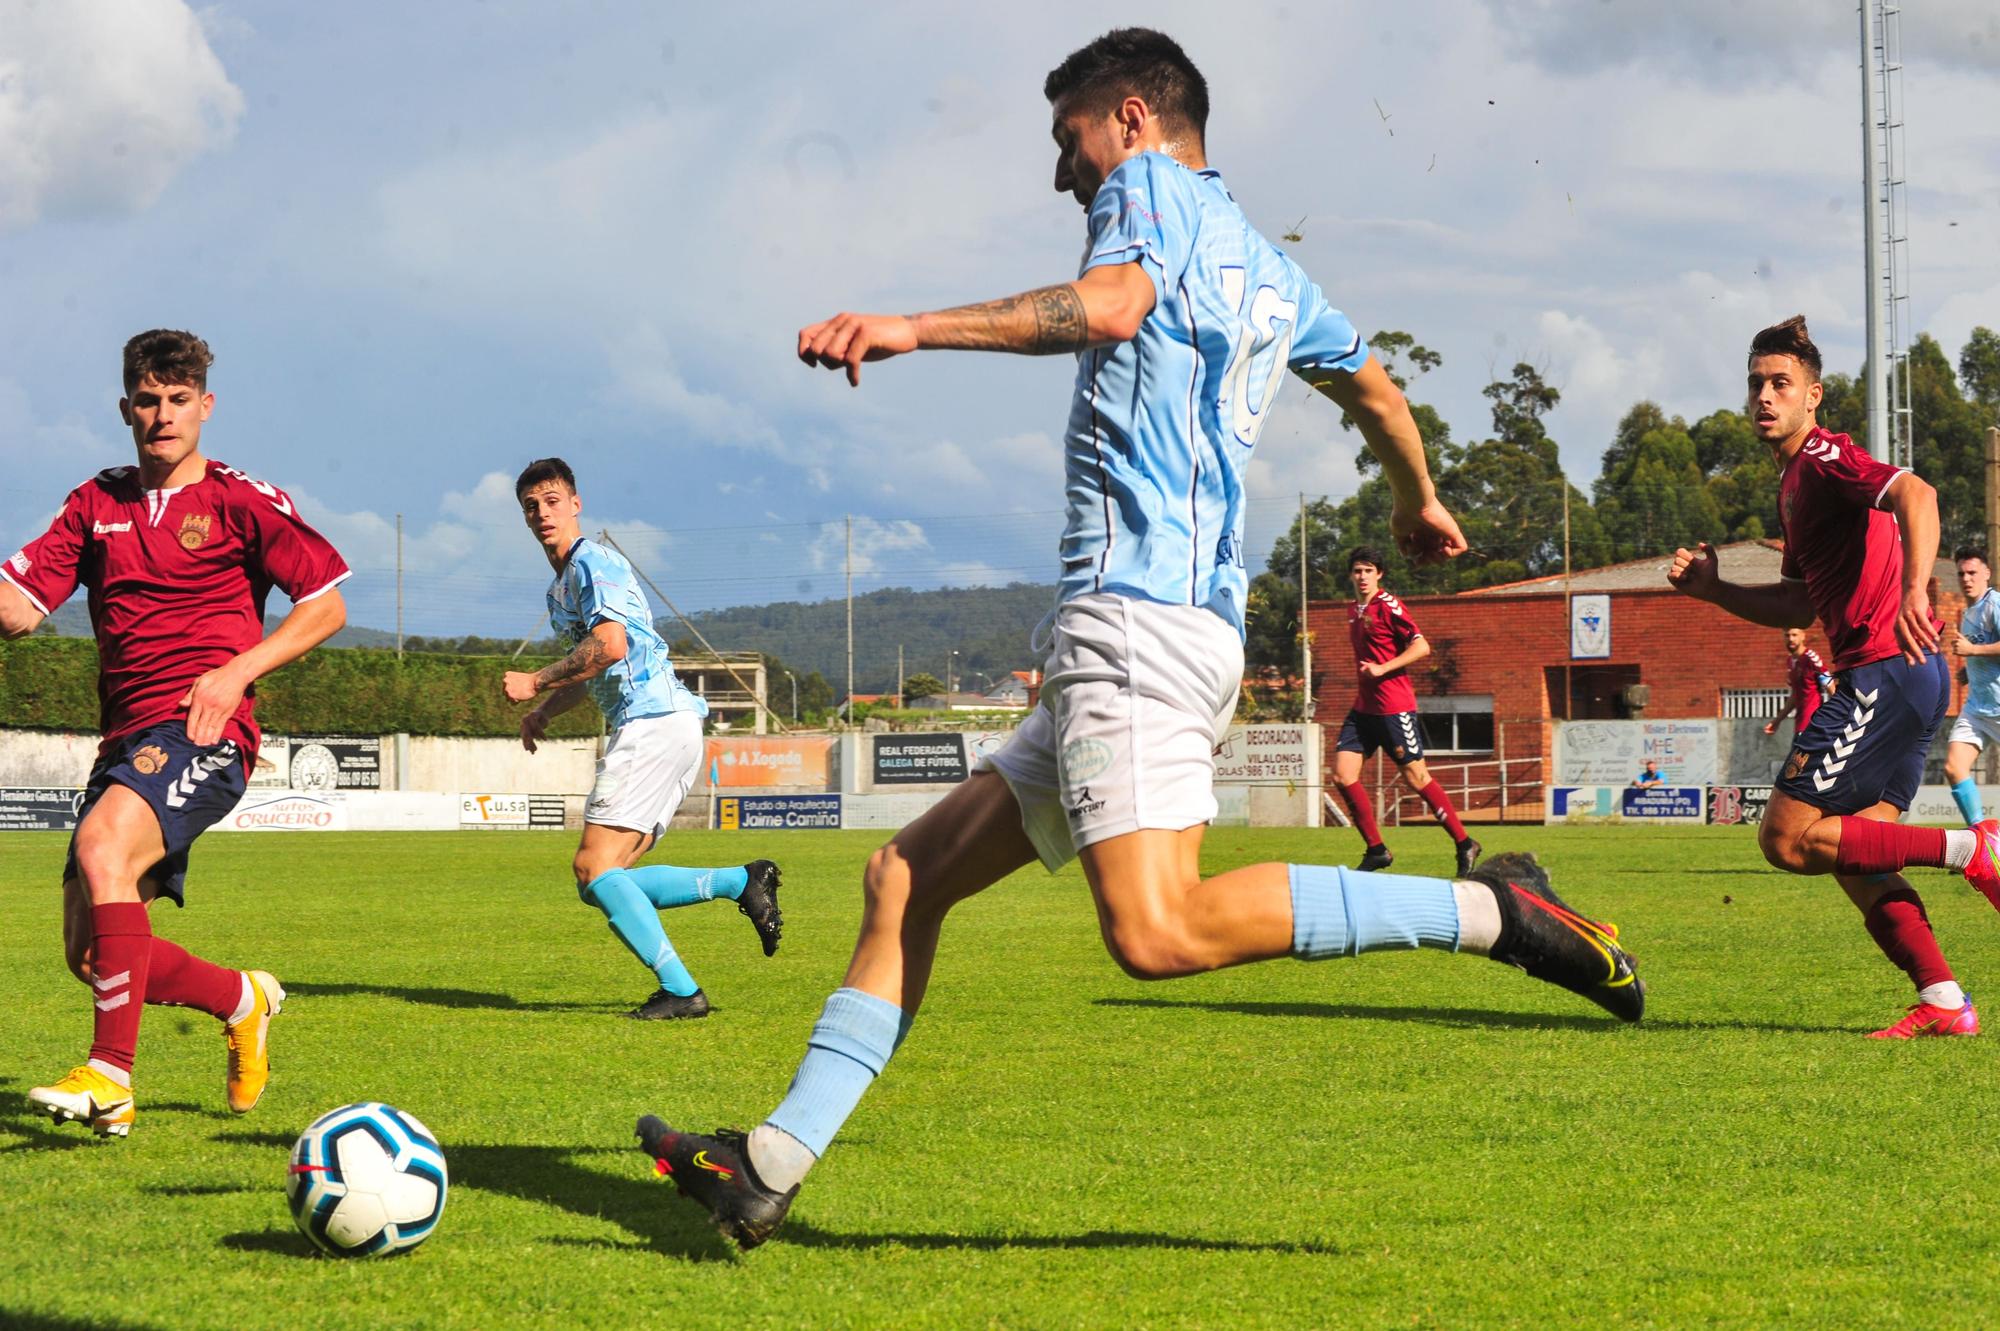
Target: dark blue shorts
(190, 788)
(1867, 743)
(1398, 732)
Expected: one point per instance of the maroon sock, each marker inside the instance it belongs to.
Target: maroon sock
(1868, 845)
(1440, 806)
(181, 978)
(1356, 796)
(119, 956)
(1901, 928)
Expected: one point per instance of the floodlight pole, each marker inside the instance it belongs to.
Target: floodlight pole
(850, 619)
(399, 586)
(1305, 627)
(1871, 241)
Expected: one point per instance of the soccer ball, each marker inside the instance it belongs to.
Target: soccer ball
(366, 1180)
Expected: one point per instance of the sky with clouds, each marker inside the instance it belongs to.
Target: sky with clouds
(429, 242)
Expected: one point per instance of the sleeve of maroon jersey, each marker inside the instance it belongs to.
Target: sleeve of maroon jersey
(1850, 472)
(1402, 629)
(46, 568)
(292, 557)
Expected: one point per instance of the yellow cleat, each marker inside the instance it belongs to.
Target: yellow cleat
(248, 1041)
(87, 1096)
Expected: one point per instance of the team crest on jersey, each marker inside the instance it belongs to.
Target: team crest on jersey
(194, 530)
(1796, 764)
(149, 760)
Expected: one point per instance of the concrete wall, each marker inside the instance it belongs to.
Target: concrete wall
(501, 766)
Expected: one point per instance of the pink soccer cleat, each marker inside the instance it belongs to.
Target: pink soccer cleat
(1984, 871)
(1928, 1019)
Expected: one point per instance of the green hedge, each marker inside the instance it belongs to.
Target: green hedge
(51, 684)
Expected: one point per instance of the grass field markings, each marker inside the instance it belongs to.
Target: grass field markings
(430, 996)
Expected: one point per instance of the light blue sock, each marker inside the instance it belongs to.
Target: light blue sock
(637, 925)
(850, 1044)
(1966, 793)
(667, 886)
(1344, 912)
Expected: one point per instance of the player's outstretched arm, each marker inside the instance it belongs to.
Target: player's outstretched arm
(1914, 503)
(212, 699)
(1423, 528)
(602, 648)
(1104, 306)
(18, 616)
(1778, 605)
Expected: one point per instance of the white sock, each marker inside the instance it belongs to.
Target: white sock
(246, 1004)
(1958, 847)
(1478, 917)
(113, 1071)
(1945, 995)
(779, 1158)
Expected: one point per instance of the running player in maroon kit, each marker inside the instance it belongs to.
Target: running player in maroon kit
(1853, 770)
(178, 554)
(1806, 674)
(1387, 642)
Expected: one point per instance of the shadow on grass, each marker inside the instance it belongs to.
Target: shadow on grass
(1463, 1017)
(15, 1319)
(446, 998)
(807, 1235)
(555, 1176)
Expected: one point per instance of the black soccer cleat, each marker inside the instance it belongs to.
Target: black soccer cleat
(665, 1006)
(760, 902)
(1545, 938)
(1468, 857)
(1375, 857)
(715, 1172)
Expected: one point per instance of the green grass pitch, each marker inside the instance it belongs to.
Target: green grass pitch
(1403, 1140)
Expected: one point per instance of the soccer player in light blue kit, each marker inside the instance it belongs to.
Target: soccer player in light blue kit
(653, 754)
(1978, 642)
(1183, 322)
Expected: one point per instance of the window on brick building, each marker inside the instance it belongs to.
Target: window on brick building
(1462, 723)
(1755, 702)
(1589, 692)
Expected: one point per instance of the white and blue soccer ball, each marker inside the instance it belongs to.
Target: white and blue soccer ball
(366, 1180)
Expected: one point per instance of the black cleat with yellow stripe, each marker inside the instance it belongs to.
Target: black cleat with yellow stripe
(1547, 939)
(715, 1172)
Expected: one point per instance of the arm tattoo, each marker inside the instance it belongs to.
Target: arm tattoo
(1045, 322)
(588, 659)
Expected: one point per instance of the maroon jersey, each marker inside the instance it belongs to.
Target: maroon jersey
(1843, 545)
(177, 582)
(1380, 631)
(1803, 675)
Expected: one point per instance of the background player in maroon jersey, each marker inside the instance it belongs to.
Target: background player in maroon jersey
(1387, 642)
(1806, 674)
(1852, 771)
(178, 554)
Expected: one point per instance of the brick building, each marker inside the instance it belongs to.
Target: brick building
(1500, 671)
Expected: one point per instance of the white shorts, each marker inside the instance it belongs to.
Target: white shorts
(1974, 729)
(647, 769)
(1135, 699)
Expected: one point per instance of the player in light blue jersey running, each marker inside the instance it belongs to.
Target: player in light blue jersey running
(1183, 321)
(653, 753)
(1978, 642)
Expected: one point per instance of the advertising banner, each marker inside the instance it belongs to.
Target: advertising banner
(745, 813)
(334, 762)
(904, 760)
(39, 809)
(1261, 754)
(736, 761)
(1654, 804)
(1613, 753)
(273, 769)
(1737, 804)
(510, 811)
(262, 812)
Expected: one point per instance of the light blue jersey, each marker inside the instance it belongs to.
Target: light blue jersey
(1981, 623)
(1162, 427)
(596, 585)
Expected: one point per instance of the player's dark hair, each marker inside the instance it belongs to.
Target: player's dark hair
(1965, 552)
(1366, 554)
(1788, 339)
(540, 472)
(1133, 61)
(168, 355)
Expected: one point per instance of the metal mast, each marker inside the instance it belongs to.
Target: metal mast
(1885, 231)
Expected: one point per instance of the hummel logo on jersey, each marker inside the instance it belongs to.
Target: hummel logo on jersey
(106, 528)
(701, 1161)
(1823, 449)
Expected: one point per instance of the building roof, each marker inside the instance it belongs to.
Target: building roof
(1752, 562)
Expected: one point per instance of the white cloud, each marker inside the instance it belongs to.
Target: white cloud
(102, 104)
